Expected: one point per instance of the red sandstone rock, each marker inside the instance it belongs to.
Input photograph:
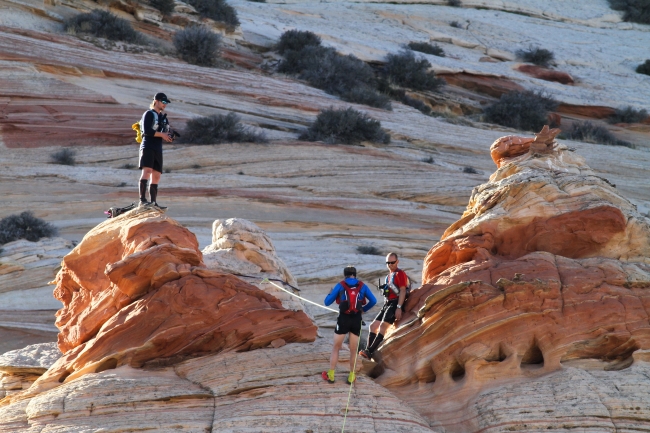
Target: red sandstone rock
(590, 111)
(490, 85)
(546, 74)
(135, 290)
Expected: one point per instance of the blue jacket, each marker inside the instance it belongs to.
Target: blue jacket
(338, 290)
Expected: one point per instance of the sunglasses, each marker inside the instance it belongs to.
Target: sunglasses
(391, 263)
(164, 103)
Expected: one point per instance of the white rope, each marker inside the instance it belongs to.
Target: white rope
(266, 280)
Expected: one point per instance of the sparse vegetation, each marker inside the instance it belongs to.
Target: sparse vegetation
(217, 10)
(65, 156)
(427, 48)
(591, 133)
(644, 68)
(165, 7)
(456, 25)
(428, 160)
(636, 11)
(128, 166)
(296, 40)
(537, 56)
(121, 184)
(527, 111)
(197, 45)
(628, 115)
(196, 166)
(346, 126)
(168, 170)
(25, 226)
(102, 24)
(470, 170)
(455, 3)
(404, 69)
(218, 129)
(345, 76)
(369, 250)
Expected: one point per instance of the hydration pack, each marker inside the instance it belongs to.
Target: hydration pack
(138, 127)
(389, 286)
(352, 304)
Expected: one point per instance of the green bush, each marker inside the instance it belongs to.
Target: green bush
(644, 68)
(217, 10)
(65, 156)
(296, 40)
(592, 133)
(25, 226)
(427, 48)
(404, 69)
(345, 76)
(218, 129)
(636, 11)
(537, 56)
(628, 115)
(197, 45)
(165, 7)
(346, 126)
(527, 111)
(102, 24)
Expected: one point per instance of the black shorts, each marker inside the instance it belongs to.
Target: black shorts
(387, 312)
(152, 159)
(348, 323)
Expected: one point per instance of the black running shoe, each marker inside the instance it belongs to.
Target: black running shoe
(160, 207)
(144, 203)
(365, 354)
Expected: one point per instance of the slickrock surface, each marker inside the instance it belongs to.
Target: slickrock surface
(548, 266)
(135, 289)
(20, 368)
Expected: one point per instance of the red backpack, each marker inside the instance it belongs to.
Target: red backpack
(352, 304)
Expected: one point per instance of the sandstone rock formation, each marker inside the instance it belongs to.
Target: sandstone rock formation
(240, 247)
(135, 289)
(20, 368)
(547, 268)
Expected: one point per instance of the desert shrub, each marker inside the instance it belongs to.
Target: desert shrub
(218, 128)
(369, 250)
(527, 111)
(644, 68)
(65, 156)
(416, 103)
(196, 166)
(455, 3)
(217, 10)
(404, 69)
(257, 1)
(165, 7)
(456, 24)
(427, 48)
(197, 45)
(591, 133)
(25, 226)
(536, 55)
(628, 115)
(128, 166)
(102, 24)
(428, 160)
(296, 40)
(347, 126)
(345, 76)
(469, 170)
(636, 11)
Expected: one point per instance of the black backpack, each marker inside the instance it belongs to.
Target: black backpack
(115, 211)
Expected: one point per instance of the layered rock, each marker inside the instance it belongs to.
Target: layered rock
(242, 248)
(135, 290)
(548, 267)
(20, 368)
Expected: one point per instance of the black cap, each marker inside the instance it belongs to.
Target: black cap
(161, 97)
(349, 270)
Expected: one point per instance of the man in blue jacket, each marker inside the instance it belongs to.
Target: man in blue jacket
(354, 298)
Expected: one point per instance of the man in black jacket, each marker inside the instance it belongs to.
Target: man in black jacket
(155, 129)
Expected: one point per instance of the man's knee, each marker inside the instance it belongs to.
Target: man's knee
(374, 326)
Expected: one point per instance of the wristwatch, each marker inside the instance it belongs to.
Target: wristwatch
(399, 306)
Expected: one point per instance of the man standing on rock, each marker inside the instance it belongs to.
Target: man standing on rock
(394, 297)
(155, 129)
(354, 298)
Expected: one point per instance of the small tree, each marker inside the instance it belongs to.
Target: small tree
(636, 11)
(346, 126)
(404, 69)
(198, 45)
(217, 10)
(296, 40)
(102, 24)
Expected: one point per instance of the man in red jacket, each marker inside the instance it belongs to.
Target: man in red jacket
(394, 296)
